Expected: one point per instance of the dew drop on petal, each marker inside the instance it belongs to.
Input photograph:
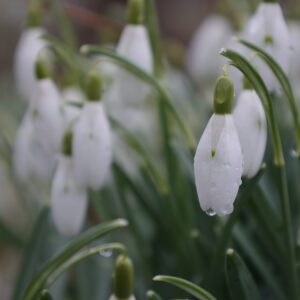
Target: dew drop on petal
(210, 212)
(106, 253)
(294, 153)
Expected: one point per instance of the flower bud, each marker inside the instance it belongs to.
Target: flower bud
(123, 277)
(223, 95)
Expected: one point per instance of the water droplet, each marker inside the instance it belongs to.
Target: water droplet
(210, 212)
(106, 253)
(294, 153)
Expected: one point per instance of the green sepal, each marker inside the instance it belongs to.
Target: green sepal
(123, 277)
(93, 88)
(135, 12)
(223, 95)
(41, 69)
(67, 143)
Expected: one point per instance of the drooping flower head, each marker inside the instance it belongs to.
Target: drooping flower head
(92, 139)
(218, 161)
(251, 124)
(68, 200)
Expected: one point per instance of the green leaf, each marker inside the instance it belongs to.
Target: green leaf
(257, 82)
(151, 295)
(38, 283)
(239, 280)
(187, 286)
(141, 74)
(285, 84)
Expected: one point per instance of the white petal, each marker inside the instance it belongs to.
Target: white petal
(46, 107)
(113, 297)
(203, 59)
(31, 161)
(68, 201)
(268, 21)
(251, 125)
(27, 51)
(92, 146)
(218, 165)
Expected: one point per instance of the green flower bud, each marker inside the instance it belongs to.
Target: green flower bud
(67, 143)
(123, 277)
(41, 69)
(223, 96)
(135, 11)
(93, 89)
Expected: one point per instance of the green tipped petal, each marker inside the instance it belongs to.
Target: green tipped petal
(67, 143)
(223, 95)
(135, 11)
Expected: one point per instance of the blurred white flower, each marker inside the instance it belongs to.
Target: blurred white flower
(218, 165)
(68, 201)
(250, 121)
(113, 297)
(31, 161)
(92, 149)
(268, 30)
(29, 47)
(46, 108)
(203, 60)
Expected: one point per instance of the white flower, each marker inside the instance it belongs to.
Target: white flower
(134, 45)
(46, 108)
(29, 47)
(68, 201)
(218, 165)
(203, 60)
(31, 161)
(250, 121)
(92, 146)
(268, 30)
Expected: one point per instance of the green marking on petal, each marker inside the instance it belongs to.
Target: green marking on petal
(213, 152)
(268, 40)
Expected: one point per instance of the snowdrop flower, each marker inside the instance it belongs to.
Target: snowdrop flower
(218, 162)
(203, 60)
(134, 45)
(46, 108)
(68, 201)
(31, 161)
(29, 47)
(250, 121)
(92, 139)
(123, 279)
(268, 30)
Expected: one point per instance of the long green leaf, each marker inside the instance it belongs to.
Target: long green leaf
(240, 282)
(257, 82)
(187, 286)
(285, 84)
(76, 245)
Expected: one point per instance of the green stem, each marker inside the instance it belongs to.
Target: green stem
(287, 224)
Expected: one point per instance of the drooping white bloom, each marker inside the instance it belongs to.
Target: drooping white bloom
(47, 111)
(268, 30)
(29, 47)
(203, 60)
(31, 161)
(133, 45)
(250, 121)
(92, 146)
(218, 165)
(68, 201)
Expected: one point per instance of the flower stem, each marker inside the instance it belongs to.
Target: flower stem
(287, 225)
